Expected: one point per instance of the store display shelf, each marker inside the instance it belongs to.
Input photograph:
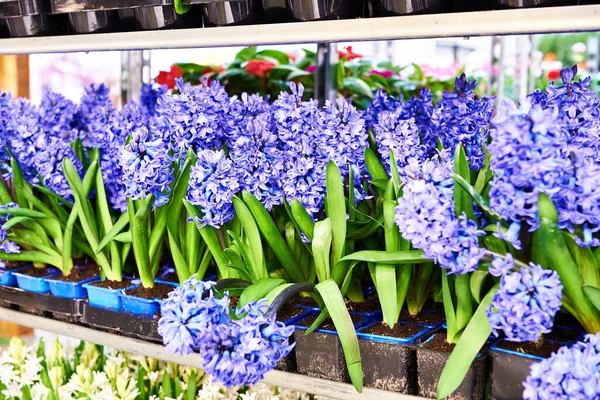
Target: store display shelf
(501, 22)
(284, 379)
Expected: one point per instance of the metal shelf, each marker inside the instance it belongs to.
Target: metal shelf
(501, 22)
(283, 379)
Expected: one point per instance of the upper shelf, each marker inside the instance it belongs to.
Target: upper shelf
(500, 22)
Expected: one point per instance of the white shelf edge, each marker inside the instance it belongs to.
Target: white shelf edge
(279, 378)
(501, 22)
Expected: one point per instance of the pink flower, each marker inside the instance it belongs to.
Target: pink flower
(384, 74)
(311, 68)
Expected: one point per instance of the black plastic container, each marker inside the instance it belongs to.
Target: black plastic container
(310, 10)
(29, 18)
(430, 364)
(277, 11)
(289, 363)
(404, 7)
(47, 305)
(122, 323)
(510, 368)
(389, 363)
(472, 5)
(93, 21)
(235, 12)
(320, 354)
(158, 17)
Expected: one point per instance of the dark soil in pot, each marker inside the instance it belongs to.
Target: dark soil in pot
(305, 301)
(388, 364)
(320, 354)
(170, 277)
(36, 272)
(10, 265)
(233, 301)
(427, 318)
(159, 291)
(79, 274)
(288, 312)
(431, 359)
(369, 306)
(125, 283)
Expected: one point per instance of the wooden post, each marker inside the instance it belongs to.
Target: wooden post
(14, 78)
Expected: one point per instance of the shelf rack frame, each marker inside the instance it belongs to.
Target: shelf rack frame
(483, 23)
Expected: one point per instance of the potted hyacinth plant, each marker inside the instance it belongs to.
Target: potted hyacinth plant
(217, 177)
(37, 139)
(545, 216)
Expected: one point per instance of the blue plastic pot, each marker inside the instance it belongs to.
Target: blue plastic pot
(36, 284)
(388, 362)
(70, 290)
(137, 305)
(8, 278)
(104, 297)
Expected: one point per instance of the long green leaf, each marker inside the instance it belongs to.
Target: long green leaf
(303, 219)
(593, 293)
(334, 301)
(386, 289)
(477, 197)
(67, 244)
(477, 280)
(119, 225)
(271, 233)
(252, 236)
(472, 340)
(32, 256)
(385, 257)
(321, 247)
(462, 200)
(335, 207)
(374, 166)
(140, 242)
(258, 290)
(449, 311)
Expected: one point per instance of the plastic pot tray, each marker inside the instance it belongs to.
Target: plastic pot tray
(45, 304)
(142, 327)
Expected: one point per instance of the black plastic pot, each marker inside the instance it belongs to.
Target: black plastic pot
(320, 354)
(48, 305)
(472, 5)
(289, 363)
(29, 18)
(389, 363)
(157, 17)
(310, 10)
(277, 11)
(430, 364)
(93, 21)
(404, 7)
(145, 328)
(235, 12)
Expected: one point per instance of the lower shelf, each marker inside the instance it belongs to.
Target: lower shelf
(289, 380)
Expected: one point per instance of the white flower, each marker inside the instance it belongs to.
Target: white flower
(56, 375)
(248, 396)
(30, 370)
(7, 374)
(154, 377)
(12, 390)
(39, 392)
(126, 388)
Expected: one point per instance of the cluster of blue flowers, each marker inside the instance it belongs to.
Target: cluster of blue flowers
(570, 373)
(7, 246)
(425, 216)
(237, 348)
(524, 306)
(548, 146)
(464, 120)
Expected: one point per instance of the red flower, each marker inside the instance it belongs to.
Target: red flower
(554, 75)
(311, 68)
(168, 77)
(259, 67)
(348, 54)
(384, 74)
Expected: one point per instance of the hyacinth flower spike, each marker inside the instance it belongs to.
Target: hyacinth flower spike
(239, 346)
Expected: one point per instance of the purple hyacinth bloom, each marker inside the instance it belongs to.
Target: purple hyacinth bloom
(305, 181)
(246, 111)
(297, 121)
(502, 265)
(214, 181)
(147, 167)
(524, 306)
(381, 102)
(149, 96)
(24, 133)
(396, 131)
(260, 162)
(464, 120)
(187, 317)
(528, 157)
(196, 116)
(243, 350)
(97, 119)
(510, 235)
(578, 110)
(425, 216)
(421, 109)
(572, 373)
